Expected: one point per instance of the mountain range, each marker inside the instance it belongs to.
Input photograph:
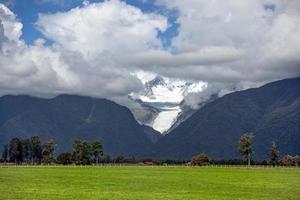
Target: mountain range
(66, 118)
(271, 112)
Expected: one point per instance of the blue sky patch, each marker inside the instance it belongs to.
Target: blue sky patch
(271, 7)
(27, 12)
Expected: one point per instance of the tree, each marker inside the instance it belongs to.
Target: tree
(81, 152)
(5, 153)
(36, 149)
(96, 151)
(26, 150)
(64, 158)
(200, 160)
(106, 159)
(119, 159)
(15, 150)
(274, 155)
(48, 151)
(245, 146)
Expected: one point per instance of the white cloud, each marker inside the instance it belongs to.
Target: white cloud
(12, 27)
(269, 40)
(111, 28)
(284, 36)
(98, 46)
(43, 71)
(204, 56)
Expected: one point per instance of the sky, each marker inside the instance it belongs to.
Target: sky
(96, 48)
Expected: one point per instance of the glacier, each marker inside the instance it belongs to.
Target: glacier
(165, 119)
(165, 95)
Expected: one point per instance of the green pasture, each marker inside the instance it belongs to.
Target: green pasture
(138, 182)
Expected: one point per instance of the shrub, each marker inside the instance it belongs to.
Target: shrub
(64, 158)
(200, 160)
(290, 160)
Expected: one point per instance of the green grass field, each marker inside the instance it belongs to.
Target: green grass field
(91, 183)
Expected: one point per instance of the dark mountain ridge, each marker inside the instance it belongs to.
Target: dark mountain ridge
(69, 117)
(272, 112)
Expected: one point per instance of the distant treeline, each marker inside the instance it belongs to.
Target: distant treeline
(246, 150)
(33, 151)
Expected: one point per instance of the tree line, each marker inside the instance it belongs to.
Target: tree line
(246, 150)
(33, 151)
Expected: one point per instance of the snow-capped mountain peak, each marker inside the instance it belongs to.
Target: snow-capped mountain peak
(166, 94)
(162, 89)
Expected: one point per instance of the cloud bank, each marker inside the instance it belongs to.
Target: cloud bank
(265, 32)
(82, 58)
(97, 46)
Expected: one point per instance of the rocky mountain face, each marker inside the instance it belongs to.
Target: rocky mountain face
(67, 117)
(272, 112)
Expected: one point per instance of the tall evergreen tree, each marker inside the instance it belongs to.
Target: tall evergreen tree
(5, 153)
(274, 157)
(48, 151)
(36, 149)
(96, 150)
(26, 150)
(245, 147)
(81, 152)
(15, 150)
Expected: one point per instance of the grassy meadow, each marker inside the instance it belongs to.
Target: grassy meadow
(134, 182)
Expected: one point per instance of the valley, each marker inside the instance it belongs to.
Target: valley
(271, 112)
